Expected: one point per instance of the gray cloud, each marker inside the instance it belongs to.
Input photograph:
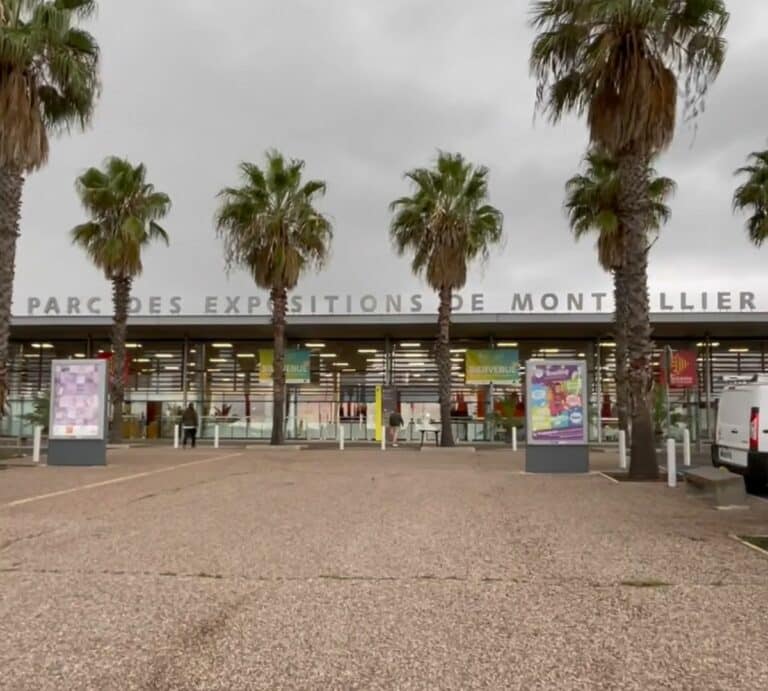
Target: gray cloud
(363, 91)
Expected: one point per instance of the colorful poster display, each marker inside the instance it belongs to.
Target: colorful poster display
(683, 372)
(501, 366)
(557, 395)
(78, 399)
(297, 369)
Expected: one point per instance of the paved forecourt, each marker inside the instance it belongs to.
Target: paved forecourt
(233, 568)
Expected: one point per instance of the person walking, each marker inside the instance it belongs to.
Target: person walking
(395, 423)
(189, 425)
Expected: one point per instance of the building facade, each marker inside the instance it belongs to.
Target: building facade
(213, 361)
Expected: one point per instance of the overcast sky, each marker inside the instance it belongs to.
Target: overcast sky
(364, 90)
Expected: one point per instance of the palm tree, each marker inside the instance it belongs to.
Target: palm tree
(620, 62)
(271, 229)
(753, 195)
(48, 83)
(445, 224)
(592, 202)
(124, 210)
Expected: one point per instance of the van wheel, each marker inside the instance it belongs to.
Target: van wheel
(755, 484)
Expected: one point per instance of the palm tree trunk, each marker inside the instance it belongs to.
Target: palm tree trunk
(620, 336)
(444, 365)
(279, 309)
(121, 296)
(635, 205)
(11, 185)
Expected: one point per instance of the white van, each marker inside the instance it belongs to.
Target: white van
(741, 433)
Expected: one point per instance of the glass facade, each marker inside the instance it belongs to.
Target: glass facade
(223, 379)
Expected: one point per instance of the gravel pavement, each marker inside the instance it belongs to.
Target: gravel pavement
(251, 569)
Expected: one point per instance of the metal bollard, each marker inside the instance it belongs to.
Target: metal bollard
(36, 443)
(215, 436)
(514, 439)
(175, 436)
(671, 464)
(383, 437)
(622, 450)
(341, 437)
(687, 448)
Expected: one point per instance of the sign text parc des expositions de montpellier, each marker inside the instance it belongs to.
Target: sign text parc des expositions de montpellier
(415, 303)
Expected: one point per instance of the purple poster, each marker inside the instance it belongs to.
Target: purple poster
(556, 392)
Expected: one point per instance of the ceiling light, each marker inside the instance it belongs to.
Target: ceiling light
(367, 351)
(506, 345)
(138, 359)
(221, 345)
(328, 355)
(80, 356)
(349, 370)
(42, 346)
(341, 364)
(410, 345)
(582, 355)
(607, 345)
(218, 359)
(133, 346)
(315, 345)
(458, 350)
(738, 350)
(171, 368)
(246, 356)
(550, 351)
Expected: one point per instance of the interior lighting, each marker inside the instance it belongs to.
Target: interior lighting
(550, 351)
(341, 364)
(367, 351)
(171, 368)
(219, 359)
(458, 350)
(80, 356)
(139, 359)
(328, 355)
(42, 346)
(315, 345)
(246, 356)
(163, 356)
(607, 345)
(133, 346)
(738, 350)
(222, 345)
(413, 355)
(410, 345)
(507, 344)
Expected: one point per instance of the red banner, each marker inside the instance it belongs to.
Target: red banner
(683, 373)
(126, 366)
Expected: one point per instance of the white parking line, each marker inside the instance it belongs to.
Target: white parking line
(114, 481)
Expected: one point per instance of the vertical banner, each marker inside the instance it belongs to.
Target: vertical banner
(501, 366)
(557, 398)
(683, 372)
(378, 416)
(297, 366)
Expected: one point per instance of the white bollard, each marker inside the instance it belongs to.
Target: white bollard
(514, 439)
(687, 448)
(341, 437)
(175, 436)
(36, 443)
(622, 450)
(383, 437)
(671, 464)
(215, 436)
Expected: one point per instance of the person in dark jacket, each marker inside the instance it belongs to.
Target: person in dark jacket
(189, 425)
(395, 423)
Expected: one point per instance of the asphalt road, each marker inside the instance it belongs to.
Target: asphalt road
(236, 569)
